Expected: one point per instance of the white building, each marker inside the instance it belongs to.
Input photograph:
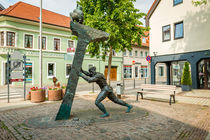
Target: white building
(138, 54)
(180, 32)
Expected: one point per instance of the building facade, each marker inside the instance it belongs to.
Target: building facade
(179, 33)
(19, 31)
(135, 63)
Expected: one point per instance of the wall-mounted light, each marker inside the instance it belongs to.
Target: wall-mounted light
(155, 53)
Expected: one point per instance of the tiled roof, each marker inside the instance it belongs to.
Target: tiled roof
(29, 12)
(146, 33)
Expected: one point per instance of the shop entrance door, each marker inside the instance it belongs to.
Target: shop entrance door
(204, 74)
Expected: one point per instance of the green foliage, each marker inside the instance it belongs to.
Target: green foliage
(186, 76)
(116, 17)
(200, 2)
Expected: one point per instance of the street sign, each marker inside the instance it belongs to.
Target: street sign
(133, 62)
(148, 58)
(16, 80)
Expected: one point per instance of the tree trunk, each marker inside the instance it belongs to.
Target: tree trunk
(109, 65)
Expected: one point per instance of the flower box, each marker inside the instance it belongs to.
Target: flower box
(54, 94)
(37, 95)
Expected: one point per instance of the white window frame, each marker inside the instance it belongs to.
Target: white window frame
(74, 45)
(33, 47)
(49, 77)
(38, 43)
(67, 76)
(5, 37)
(54, 44)
(131, 53)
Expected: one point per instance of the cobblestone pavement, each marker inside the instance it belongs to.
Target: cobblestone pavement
(148, 120)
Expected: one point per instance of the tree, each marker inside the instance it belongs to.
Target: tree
(116, 17)
(186, 76)
(200, 2)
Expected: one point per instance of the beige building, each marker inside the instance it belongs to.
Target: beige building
(179, 33)
(139, 69)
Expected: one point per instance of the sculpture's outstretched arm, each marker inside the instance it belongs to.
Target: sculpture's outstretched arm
(88, 79)
(85, 72)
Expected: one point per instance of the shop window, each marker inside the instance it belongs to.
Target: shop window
(143, 71)
(127, 71)
(29, 72)
(10, 39)
(28, 41)
(161, 70)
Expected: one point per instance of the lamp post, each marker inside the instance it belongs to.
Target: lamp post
(40, 46)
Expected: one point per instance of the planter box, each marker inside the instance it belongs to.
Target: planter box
(186, 88)
(54, 95)
(38, 96)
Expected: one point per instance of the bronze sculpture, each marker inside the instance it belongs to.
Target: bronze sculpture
(106, 90)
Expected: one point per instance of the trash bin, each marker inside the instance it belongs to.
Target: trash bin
(119, 89)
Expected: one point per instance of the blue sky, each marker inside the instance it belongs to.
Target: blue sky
(64, 7)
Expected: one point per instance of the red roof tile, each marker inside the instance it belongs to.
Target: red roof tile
(30, 12)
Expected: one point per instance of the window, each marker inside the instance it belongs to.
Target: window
(51, 70)
(141, 54)
(28, 41)
(29, 72)
(136, 53)
(56, 44)
(70, 44)
(146, 53)
(125, 53)
(161, 70)
(130, 53)
(10, 39)
(127, 71)
(43, 43)
(176, 2)
(143, 71)
(2, 38)
(143, 40)
(68, 69)
(113, 53)
(136, 71)
(178, 30)
(166, 33)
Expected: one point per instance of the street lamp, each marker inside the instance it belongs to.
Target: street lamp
(40, 46)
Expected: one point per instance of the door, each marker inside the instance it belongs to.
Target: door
(204, 74)
(113, 73)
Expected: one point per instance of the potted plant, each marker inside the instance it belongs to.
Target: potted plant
(28, 96)
(37, 94)
(63, 90)
(186, 81)
(54, 94)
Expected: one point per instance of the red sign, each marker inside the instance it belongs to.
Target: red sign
(133, 62)
(148, 59)
(16, 80)
(70, 49)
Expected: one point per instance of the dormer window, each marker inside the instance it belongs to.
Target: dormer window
(176, 2)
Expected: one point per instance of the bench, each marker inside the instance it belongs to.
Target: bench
(154, 89)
